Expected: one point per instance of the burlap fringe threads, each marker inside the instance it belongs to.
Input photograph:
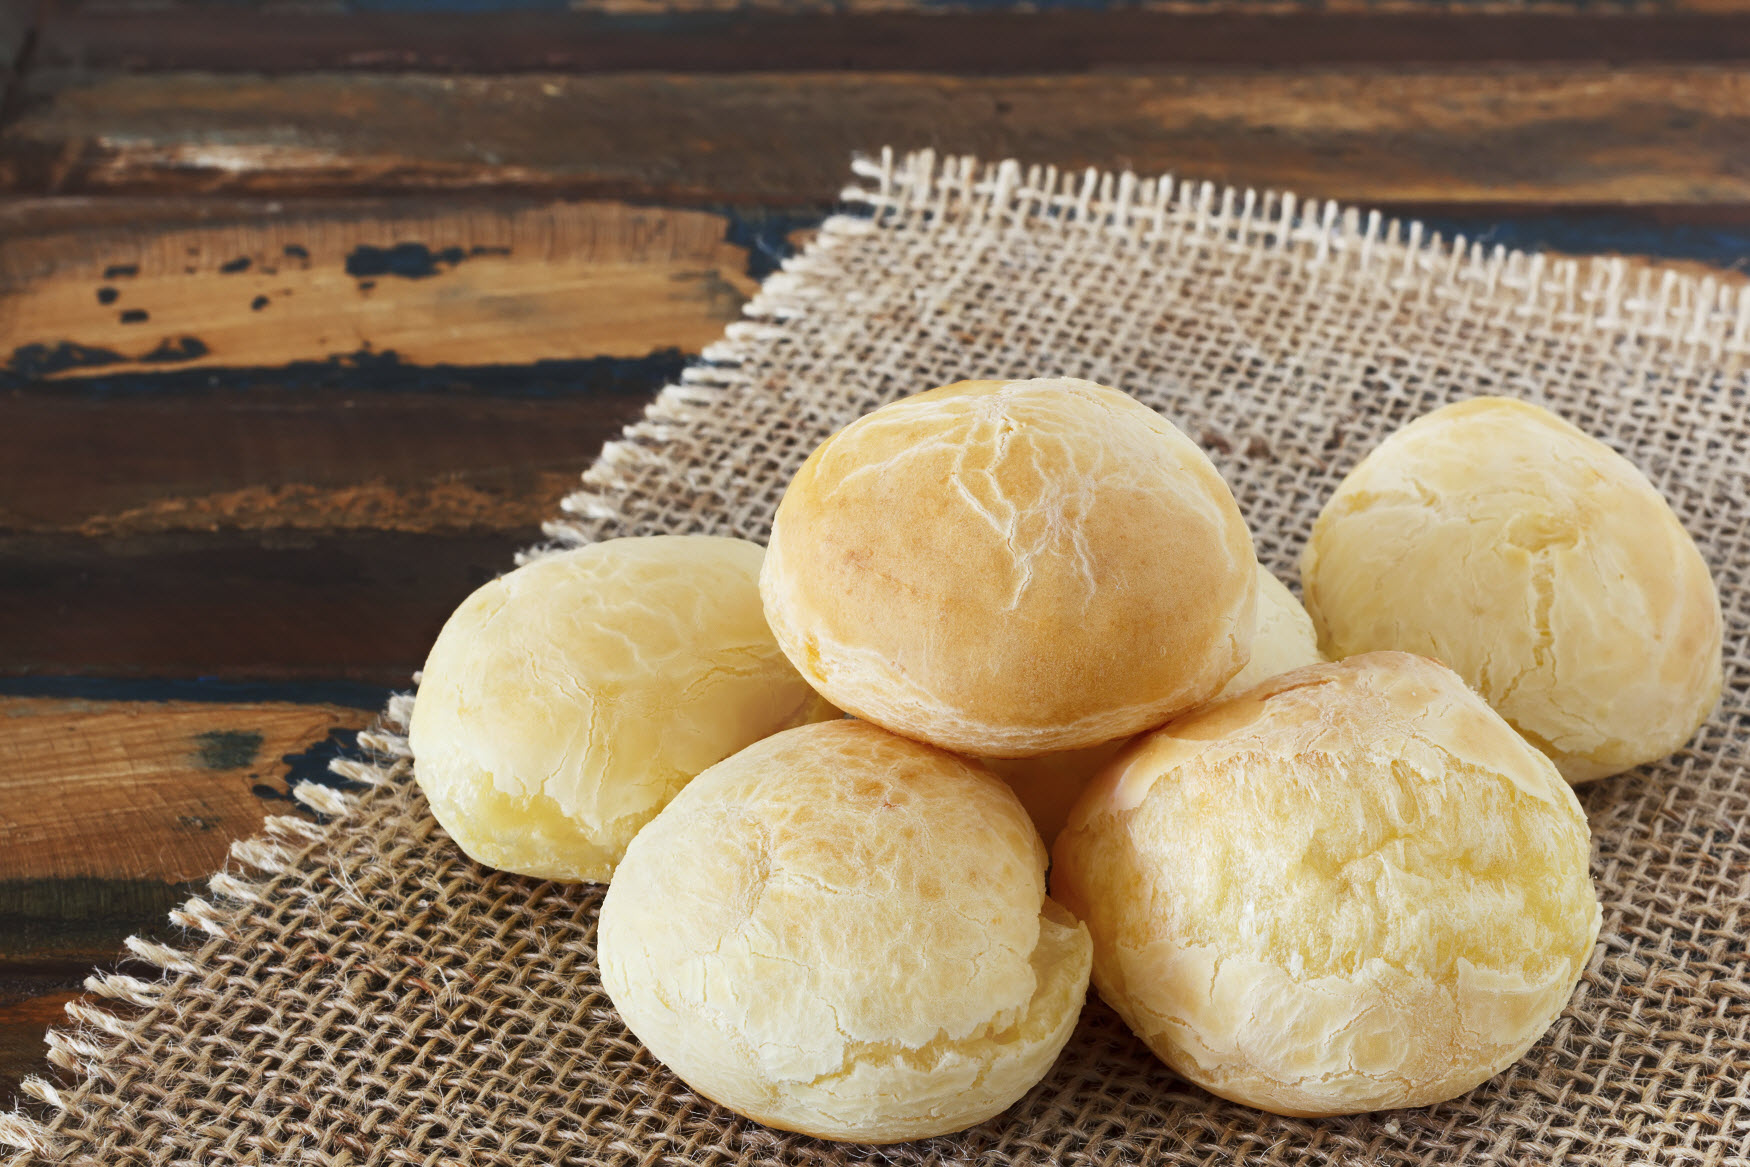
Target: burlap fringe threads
(96, 1033)
(1708, 318)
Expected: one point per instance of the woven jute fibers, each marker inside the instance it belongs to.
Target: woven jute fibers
(360, 993)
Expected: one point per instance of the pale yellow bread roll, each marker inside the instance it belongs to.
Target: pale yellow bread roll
(1537, 562)
(1008, 568)
(1351, 888)
(1049, 784)
(845, 933)
(1283, 638)
(565, 703)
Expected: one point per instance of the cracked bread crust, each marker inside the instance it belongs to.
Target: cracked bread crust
(1352, 888)
(1008, 568)
(1537, 562)
(845, 933)
(565, 703)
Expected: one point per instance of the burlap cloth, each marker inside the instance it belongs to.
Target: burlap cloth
(363, 994)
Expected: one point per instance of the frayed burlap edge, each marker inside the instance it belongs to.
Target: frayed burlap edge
(1705, 318)
(284, 844)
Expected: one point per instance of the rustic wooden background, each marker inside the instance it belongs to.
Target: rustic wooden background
(311, 312)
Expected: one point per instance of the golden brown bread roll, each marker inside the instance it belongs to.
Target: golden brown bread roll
(565, 703)
(1537, 562)
(1353, 887)
(1049, 784)
(1007, 568)
(844, 933)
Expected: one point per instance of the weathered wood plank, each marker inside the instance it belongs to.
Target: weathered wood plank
(759, 231)
(562, 282)
(62, 927)
(59, 215)
(349, 419)
(317, 517)
(345, 452)
(112, 814)
(101, 791)
(1712, 234)
(273, 605)
(29, 1006)
(977, 39)
(1538, 135)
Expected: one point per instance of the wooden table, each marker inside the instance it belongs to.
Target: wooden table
(311, 314)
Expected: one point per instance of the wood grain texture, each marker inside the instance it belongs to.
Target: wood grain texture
(347, 452)
(238, 605)
(28, 1007)
(314, 524)
(316, 508)
(572, 281)
(113, 813)
(1713, 234)
(205, 690)
(1536, 135)
(103, 791)
(981, 39)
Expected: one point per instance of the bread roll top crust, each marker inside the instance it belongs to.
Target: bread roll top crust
(1351, 887)
(1541, 565)
(844, 932)
(1011, 567)
(564, 703)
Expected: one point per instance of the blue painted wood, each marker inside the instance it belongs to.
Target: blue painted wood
(1719, 237)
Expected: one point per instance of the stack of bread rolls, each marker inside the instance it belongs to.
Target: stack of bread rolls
(1314, 887)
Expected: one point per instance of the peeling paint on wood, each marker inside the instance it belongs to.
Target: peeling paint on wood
(224, 749)
(139, 792)
(568, 282)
